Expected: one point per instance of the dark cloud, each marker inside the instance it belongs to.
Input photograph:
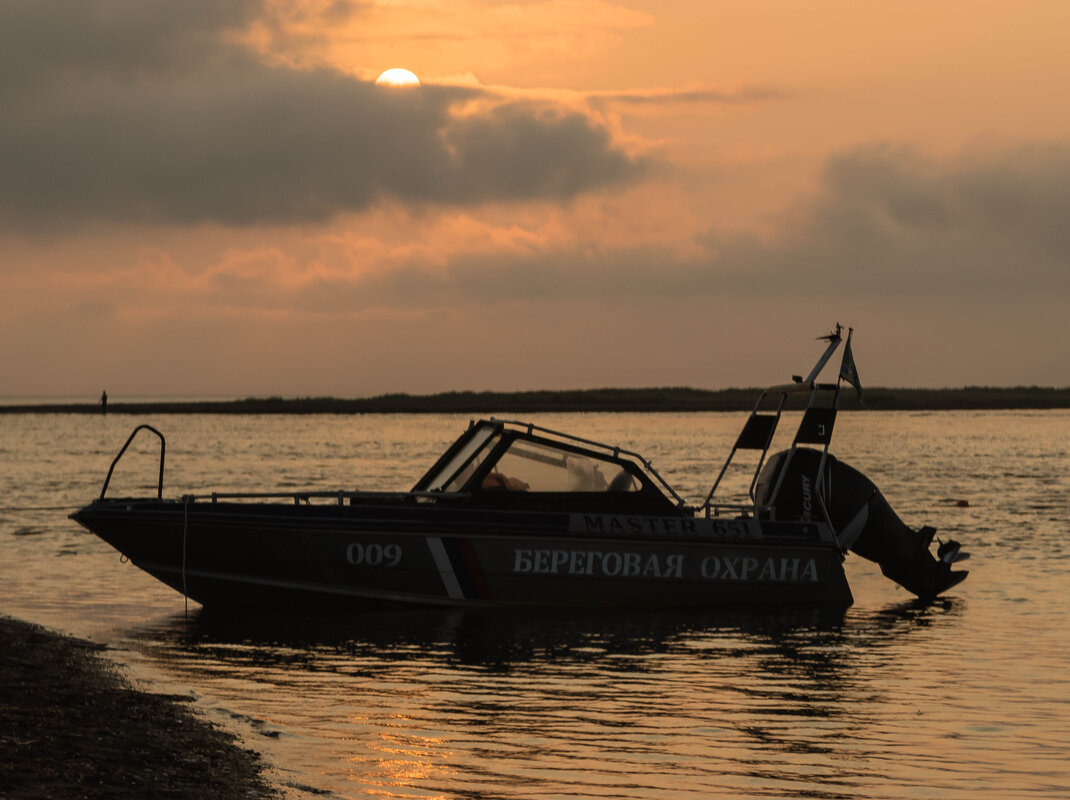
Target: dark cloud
(53, 46)
(889, 224)
(138, 110)
(564, 152)
(895, 218)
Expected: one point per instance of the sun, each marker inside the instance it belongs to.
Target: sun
(397, 77)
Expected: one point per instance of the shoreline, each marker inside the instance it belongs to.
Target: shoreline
(71, 725)
(971, 398)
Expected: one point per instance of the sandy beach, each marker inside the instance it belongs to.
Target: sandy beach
(72, 726)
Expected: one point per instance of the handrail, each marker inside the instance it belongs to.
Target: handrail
(111, 469)
(340, 495)
(798, 385)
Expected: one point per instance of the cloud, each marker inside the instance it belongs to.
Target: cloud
(130, 111)
(694, 95)
(894, 219)
(887, 223)
(50, 47)
(954, 271)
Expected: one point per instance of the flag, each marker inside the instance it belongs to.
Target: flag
(848, 370)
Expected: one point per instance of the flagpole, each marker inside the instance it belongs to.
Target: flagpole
(834, 340)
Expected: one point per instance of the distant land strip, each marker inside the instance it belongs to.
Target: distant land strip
(592, 400)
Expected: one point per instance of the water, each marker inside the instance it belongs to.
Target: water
(964, 698)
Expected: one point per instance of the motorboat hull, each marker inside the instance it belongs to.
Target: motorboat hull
(274, 555)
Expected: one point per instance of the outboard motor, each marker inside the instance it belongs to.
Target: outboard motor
(861, 517)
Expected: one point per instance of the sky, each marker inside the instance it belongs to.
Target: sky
(205, 198)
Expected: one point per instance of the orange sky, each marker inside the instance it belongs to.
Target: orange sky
(205, 198)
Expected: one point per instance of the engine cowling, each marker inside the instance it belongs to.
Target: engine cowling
(862, 519)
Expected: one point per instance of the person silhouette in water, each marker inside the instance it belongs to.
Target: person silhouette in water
(104, 402)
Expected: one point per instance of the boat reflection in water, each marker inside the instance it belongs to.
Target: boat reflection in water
(512, 637)
(515, 703)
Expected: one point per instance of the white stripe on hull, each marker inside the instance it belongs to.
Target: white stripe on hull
(445, 568)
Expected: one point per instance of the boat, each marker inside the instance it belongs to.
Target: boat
(515, 514)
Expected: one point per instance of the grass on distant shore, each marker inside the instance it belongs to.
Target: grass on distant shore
(579, 400)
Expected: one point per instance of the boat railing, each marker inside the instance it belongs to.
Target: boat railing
(815, 428)
(298, 497)
(163, 448)
(614, 450)
(341, 496)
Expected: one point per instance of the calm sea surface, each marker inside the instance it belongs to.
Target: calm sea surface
(964, 698)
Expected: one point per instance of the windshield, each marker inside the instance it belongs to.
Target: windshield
(461, 478)
(539, 467)
(440, 481)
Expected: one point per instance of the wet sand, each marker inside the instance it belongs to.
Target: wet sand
(72, 726)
